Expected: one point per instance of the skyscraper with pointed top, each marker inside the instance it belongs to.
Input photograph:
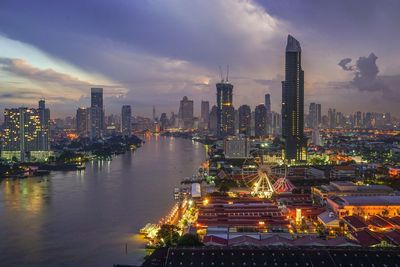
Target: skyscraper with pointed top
(295, 143)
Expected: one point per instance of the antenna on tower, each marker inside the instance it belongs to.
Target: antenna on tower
(227, 72)
(220, 73)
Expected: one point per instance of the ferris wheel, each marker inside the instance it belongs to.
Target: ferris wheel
(264, 177)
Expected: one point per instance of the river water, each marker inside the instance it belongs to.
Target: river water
(91, 217)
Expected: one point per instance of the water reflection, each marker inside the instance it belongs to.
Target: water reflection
(89, 218)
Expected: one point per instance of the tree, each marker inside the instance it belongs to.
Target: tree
(168, 235)
(189, 240)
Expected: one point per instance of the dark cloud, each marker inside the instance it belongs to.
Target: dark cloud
(343, 63)
(366, 78)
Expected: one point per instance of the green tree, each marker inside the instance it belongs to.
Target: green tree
(168, 235)
(189, 240)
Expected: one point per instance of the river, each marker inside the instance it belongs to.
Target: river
(91, 217)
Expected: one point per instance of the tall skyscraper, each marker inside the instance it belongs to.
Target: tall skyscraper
(186, 113)
(245, 120)
(83, 121)
(293, 104)
(269, 113)
(332, 118)
(44, 133)
(226, 120)
(96, 113)
(260, 119)
(205, 113)
(319, 116)
(126, 120)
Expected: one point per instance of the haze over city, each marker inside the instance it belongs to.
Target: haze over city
(146, 53)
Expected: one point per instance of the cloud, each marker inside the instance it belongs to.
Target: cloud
(366, 78)
(343, 63)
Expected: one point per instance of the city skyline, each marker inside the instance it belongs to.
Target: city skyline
(43, 66)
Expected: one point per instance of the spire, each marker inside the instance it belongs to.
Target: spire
(292, 44)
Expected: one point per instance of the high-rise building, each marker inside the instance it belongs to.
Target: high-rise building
(213, 120)
(226, 120)
(164, 121)
(269, 113)
(205, 114)
(96, 113)
(276, 123)
(83, 121)
(260, 118)
(314, 115)
(44, 133)
(295, 144)
(332, 118)
(245, 120)
(26, 134)
(186, 113)
(126, 120)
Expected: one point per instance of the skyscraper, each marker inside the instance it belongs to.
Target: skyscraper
(96, 113)
(260, 119)
(269, 114)
(186, 113)
(205, 113)
(44, 133)
(245, 120)
(82, 121)
(126, 120)
(213, 120)
(225, 119)
(293, 104)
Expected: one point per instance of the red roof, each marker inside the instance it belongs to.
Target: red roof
(355, 222)
(366, 238)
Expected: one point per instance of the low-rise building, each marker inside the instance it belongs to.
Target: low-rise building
(365, 205)
(343, 172)
(321, 193)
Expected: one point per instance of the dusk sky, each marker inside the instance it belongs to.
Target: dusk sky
(147, 53)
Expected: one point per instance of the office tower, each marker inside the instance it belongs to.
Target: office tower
(260, 118)
(83, 121)
(164, 122)
(24, 136)
(44, 133)
(314, 115)
(205, 114)
(186, 113)
(154, 113)
(332, 118)
(245, 120)
(96, 113)
(225, 117)
(319, 116)
(126, 120)
(276, 123)
(293, 104)
(213, 120)
(269, 114)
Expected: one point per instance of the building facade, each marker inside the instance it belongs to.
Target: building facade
(260, 121)
(225, 118)
(245, 120)
(96, 113)
(295, 142)
(186, 113)
(126, 120)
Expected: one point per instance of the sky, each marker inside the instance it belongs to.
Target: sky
(154, 52)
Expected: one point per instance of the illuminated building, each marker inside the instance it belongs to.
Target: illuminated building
(364, 206)
(82, 121)
(26, 134)
(394, 172)
(245, 120)
(295, 143)
(260, 121)
(186, 113)
(323, 192)
(225, 118)
(126, 120)
(96, 113)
